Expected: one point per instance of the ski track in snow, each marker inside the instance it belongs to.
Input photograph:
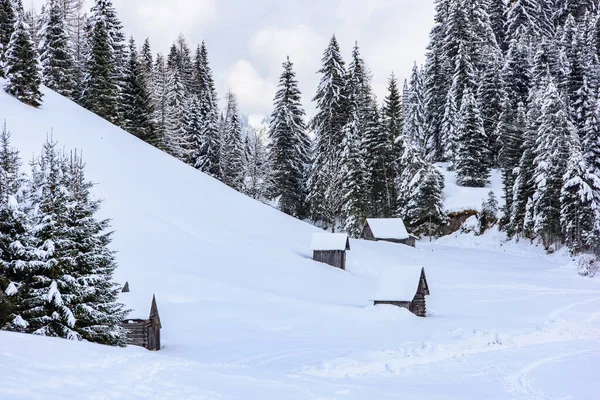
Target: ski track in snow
(525, 388)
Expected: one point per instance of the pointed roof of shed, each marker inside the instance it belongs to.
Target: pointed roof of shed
(400, 283)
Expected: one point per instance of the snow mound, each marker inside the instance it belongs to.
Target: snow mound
(459, 198)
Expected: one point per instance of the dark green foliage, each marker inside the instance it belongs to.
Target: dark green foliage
(22, 67)
(289, 146)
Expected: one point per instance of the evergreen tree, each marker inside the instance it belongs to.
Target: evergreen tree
(50, 296)
(332, 115)
(159, 88)
(489, 212)
(497, 9)
(472, 165)
(176, 108)
(101, 93)
(232, 150)
(193, 129)
(137, 111)
(8, 21)
(15, 237)
(22, 67)
(437, 80)
(90, 263)
(516, 71)
(415, 122)
(490, 96)
(576, 199)
(56, 57)
(392, 128)
(209, 159)
(550, 164)
(424, 211)
(533, 17)
(289, 146)
(257, 168)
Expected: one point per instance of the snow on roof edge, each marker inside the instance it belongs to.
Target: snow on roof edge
(323, 241)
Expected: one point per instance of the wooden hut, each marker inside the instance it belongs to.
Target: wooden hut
(403, 287)
(330, 248)
(387, 230)
(144, 332)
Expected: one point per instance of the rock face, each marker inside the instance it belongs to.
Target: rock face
(456, 220)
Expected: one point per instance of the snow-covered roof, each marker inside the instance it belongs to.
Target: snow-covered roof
(398, 283)
(388, 228)
(329, 241)
(138, 301)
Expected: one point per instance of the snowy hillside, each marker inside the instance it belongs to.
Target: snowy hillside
(247, 315)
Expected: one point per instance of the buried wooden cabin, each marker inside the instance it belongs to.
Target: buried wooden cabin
(143, 332)
(387, 230)
(403, 287)
(330, 248)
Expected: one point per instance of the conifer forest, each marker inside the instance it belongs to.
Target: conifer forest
(508, 85)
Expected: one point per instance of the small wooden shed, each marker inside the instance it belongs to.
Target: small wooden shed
(144, 332)
(403, 287)
(330, 248)
(387, 230)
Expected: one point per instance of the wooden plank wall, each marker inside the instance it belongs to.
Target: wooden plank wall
(336, 258)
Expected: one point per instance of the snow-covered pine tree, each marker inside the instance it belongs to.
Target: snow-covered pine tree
(496, 9)
(438, 79)
(15, 237)
(147, 66)
(424, 211)
(328, 124)
(552, 153)
(209, 158)
(193, 128)
(101, 85)
(449, 132)
(90, 263)
(232, 149)
(22, 67)
(392, 127)
(49, 299)
(136, 106)
(175, 110)
(489, 212)
(8, 20)
(159, 88)
(472, 157)
(491, 96)
(58, 66)
(289, 146)
(576, 199)
(533, 17)
(415, 121)
(257, 169)
(510, 134)
(517, 69)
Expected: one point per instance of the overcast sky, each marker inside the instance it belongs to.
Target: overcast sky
(248, 40)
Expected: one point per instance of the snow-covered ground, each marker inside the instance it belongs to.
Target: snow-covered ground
(247, 315)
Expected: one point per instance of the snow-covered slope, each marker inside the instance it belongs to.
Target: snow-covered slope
(247, 315)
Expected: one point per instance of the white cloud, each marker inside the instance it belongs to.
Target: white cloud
(254, 93)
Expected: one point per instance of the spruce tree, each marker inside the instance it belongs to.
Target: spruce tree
(491, 96)
(22, 67)
(51, 294)
(415, 122)
(210, 155)
(472, 159)
(551, 153)
(175, 108)
(533, 17)
(101, 92)
(193, 128)
(136, 109)
(159, 88)
(576, 199)
(15, 237)
(328, 123)
(289, 146)
(424, 211)
(56, 54)
(232, 150)
(8, 20)
(497, 11)
(257, 169)
(392, 127)
(90, 263)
